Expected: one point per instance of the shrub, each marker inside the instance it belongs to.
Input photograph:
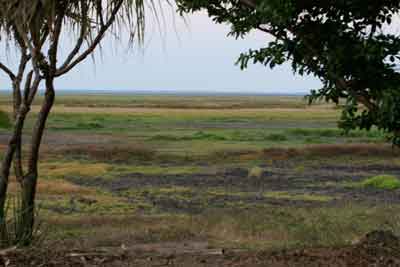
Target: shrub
(276, 137)
(387, 182)
(89, 125)
(5, 122)
(256, 172)
(200, 135)
(13, 229)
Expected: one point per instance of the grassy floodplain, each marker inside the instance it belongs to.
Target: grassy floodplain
(235, 171)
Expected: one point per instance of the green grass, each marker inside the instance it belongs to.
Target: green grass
(334, 133)
(386, 182)
(302, 197)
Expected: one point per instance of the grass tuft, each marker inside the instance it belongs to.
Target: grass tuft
(386, 182)
(256, 172)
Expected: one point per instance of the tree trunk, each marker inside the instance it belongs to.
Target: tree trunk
(13, 144)
(27, 213)
(8, 158)
(29, 182)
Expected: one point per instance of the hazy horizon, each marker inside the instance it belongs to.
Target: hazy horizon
(164, 92)
(193, 57)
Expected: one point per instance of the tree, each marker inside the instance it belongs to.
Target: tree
(347, 44)
(35, 28)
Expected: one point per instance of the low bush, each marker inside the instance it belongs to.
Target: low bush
(200, 135)
(387, 182)
(276, 137)
(256, 172)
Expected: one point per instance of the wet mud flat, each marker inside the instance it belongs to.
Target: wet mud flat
(327, 184)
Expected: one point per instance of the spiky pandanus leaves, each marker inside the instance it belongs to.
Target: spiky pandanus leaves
(35, 17)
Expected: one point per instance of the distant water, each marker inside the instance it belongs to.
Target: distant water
(167, 92)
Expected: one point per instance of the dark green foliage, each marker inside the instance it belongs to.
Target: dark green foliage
(4, 120)
(345, 43)
(276, 137)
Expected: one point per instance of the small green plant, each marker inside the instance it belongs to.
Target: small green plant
(388, 182)
(256, 172)
(300, 169)
(89, 125)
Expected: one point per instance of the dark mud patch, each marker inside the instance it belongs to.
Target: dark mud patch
(233, 188)
(370, 168)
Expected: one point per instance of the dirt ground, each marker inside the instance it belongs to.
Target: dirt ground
(377, 248)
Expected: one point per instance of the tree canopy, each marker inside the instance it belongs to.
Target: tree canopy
(347, 44)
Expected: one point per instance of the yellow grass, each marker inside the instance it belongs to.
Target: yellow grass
(56, 187)
(313, 112)
(59, 170)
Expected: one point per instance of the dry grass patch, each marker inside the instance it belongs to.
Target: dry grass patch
(95, 231)
(56, 187)
(63, 169)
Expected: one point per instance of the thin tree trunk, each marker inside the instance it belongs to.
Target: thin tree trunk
(8, 158)
(30, 180)
(17, 99)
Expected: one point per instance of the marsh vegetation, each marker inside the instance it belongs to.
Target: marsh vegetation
(264, 176)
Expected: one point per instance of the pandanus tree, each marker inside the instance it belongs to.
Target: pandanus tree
(35, 29)
(348, 44)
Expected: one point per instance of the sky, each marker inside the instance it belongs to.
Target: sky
(192, 56)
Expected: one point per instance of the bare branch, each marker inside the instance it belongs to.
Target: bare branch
(7, 71)
(17, 82)
(99, 7)
(27, 86)
(34, 89)
(55, 40)
(80, 40)
(95, 42)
